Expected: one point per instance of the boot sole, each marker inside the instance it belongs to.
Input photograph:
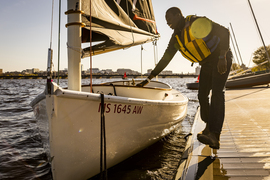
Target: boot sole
(205, 140)
(214, 147)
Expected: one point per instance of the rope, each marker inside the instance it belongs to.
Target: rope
(59, 40)
(90, 41)
(113, 88)
(103, 163)
(141, 58)
(77, 49)
(50, 63)
(155, 54)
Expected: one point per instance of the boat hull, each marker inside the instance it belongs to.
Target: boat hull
(131, 125)
(249, 81)
(253, 80)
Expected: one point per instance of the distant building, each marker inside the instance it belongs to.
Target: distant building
(35, 70)
(108, 71)
(197, 70)
(27, 71)
(1, 71)
(102, 72)
(94, 70)
(166, 72)
(123, 71)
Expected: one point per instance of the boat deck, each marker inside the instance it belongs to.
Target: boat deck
(244, 143)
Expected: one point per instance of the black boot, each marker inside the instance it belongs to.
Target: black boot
(212, 139)
(201, 136)
(206, 130)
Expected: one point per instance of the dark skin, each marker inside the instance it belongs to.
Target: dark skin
(178, 21)
(174, 21)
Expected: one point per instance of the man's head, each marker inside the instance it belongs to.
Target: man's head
(174, 17)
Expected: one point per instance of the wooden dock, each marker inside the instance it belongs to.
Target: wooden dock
(244, 143)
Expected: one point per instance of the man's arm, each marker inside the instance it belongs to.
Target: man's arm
(224, 35)
(167, 57)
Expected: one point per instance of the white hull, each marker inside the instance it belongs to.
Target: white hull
(132, 124)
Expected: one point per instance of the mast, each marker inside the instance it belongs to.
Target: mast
(237, 46)
(259, 31)
(74, 25)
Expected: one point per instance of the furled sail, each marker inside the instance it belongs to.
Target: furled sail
(117, 24)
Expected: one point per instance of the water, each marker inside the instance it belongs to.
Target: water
(22, 156)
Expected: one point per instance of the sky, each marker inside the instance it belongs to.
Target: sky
(26, 26)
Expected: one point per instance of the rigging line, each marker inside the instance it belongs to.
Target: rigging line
(155, 55)
(103, 163)
(250, 60)
(130, 22)
(235, 51)
(101, 132)
(53, 74)
(59, 30)
(50, 63)
(90, 41)
(266, 52)
(141, 59)
(155, 52)
(51, 24)
(236, 45)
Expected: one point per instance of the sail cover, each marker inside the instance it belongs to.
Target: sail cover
(117, 24)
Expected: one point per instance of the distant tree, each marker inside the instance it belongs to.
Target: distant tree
(260, 56)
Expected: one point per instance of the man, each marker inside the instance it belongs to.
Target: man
(213, 54)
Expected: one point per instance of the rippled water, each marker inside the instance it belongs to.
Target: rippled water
(23, 158)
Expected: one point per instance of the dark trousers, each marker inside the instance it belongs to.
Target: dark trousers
(213, 112)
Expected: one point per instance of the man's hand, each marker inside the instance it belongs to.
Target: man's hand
(143, 83)
(222, 62)
(222, 66)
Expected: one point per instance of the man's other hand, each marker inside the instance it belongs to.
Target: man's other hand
(143, 83)
(222, 66)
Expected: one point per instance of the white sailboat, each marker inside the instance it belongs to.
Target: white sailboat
(71, 120)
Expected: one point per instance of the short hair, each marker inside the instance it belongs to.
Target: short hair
(174, 11)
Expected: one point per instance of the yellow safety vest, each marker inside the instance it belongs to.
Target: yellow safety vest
(194, 49)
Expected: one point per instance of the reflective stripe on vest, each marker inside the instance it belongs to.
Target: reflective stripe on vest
(194, 49)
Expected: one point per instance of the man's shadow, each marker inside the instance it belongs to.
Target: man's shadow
(204, 164)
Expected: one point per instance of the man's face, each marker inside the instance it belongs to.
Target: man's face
(172, 20)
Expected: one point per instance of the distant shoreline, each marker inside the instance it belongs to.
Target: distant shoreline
(100, 76)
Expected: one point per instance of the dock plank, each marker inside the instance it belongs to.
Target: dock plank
(244, 143)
